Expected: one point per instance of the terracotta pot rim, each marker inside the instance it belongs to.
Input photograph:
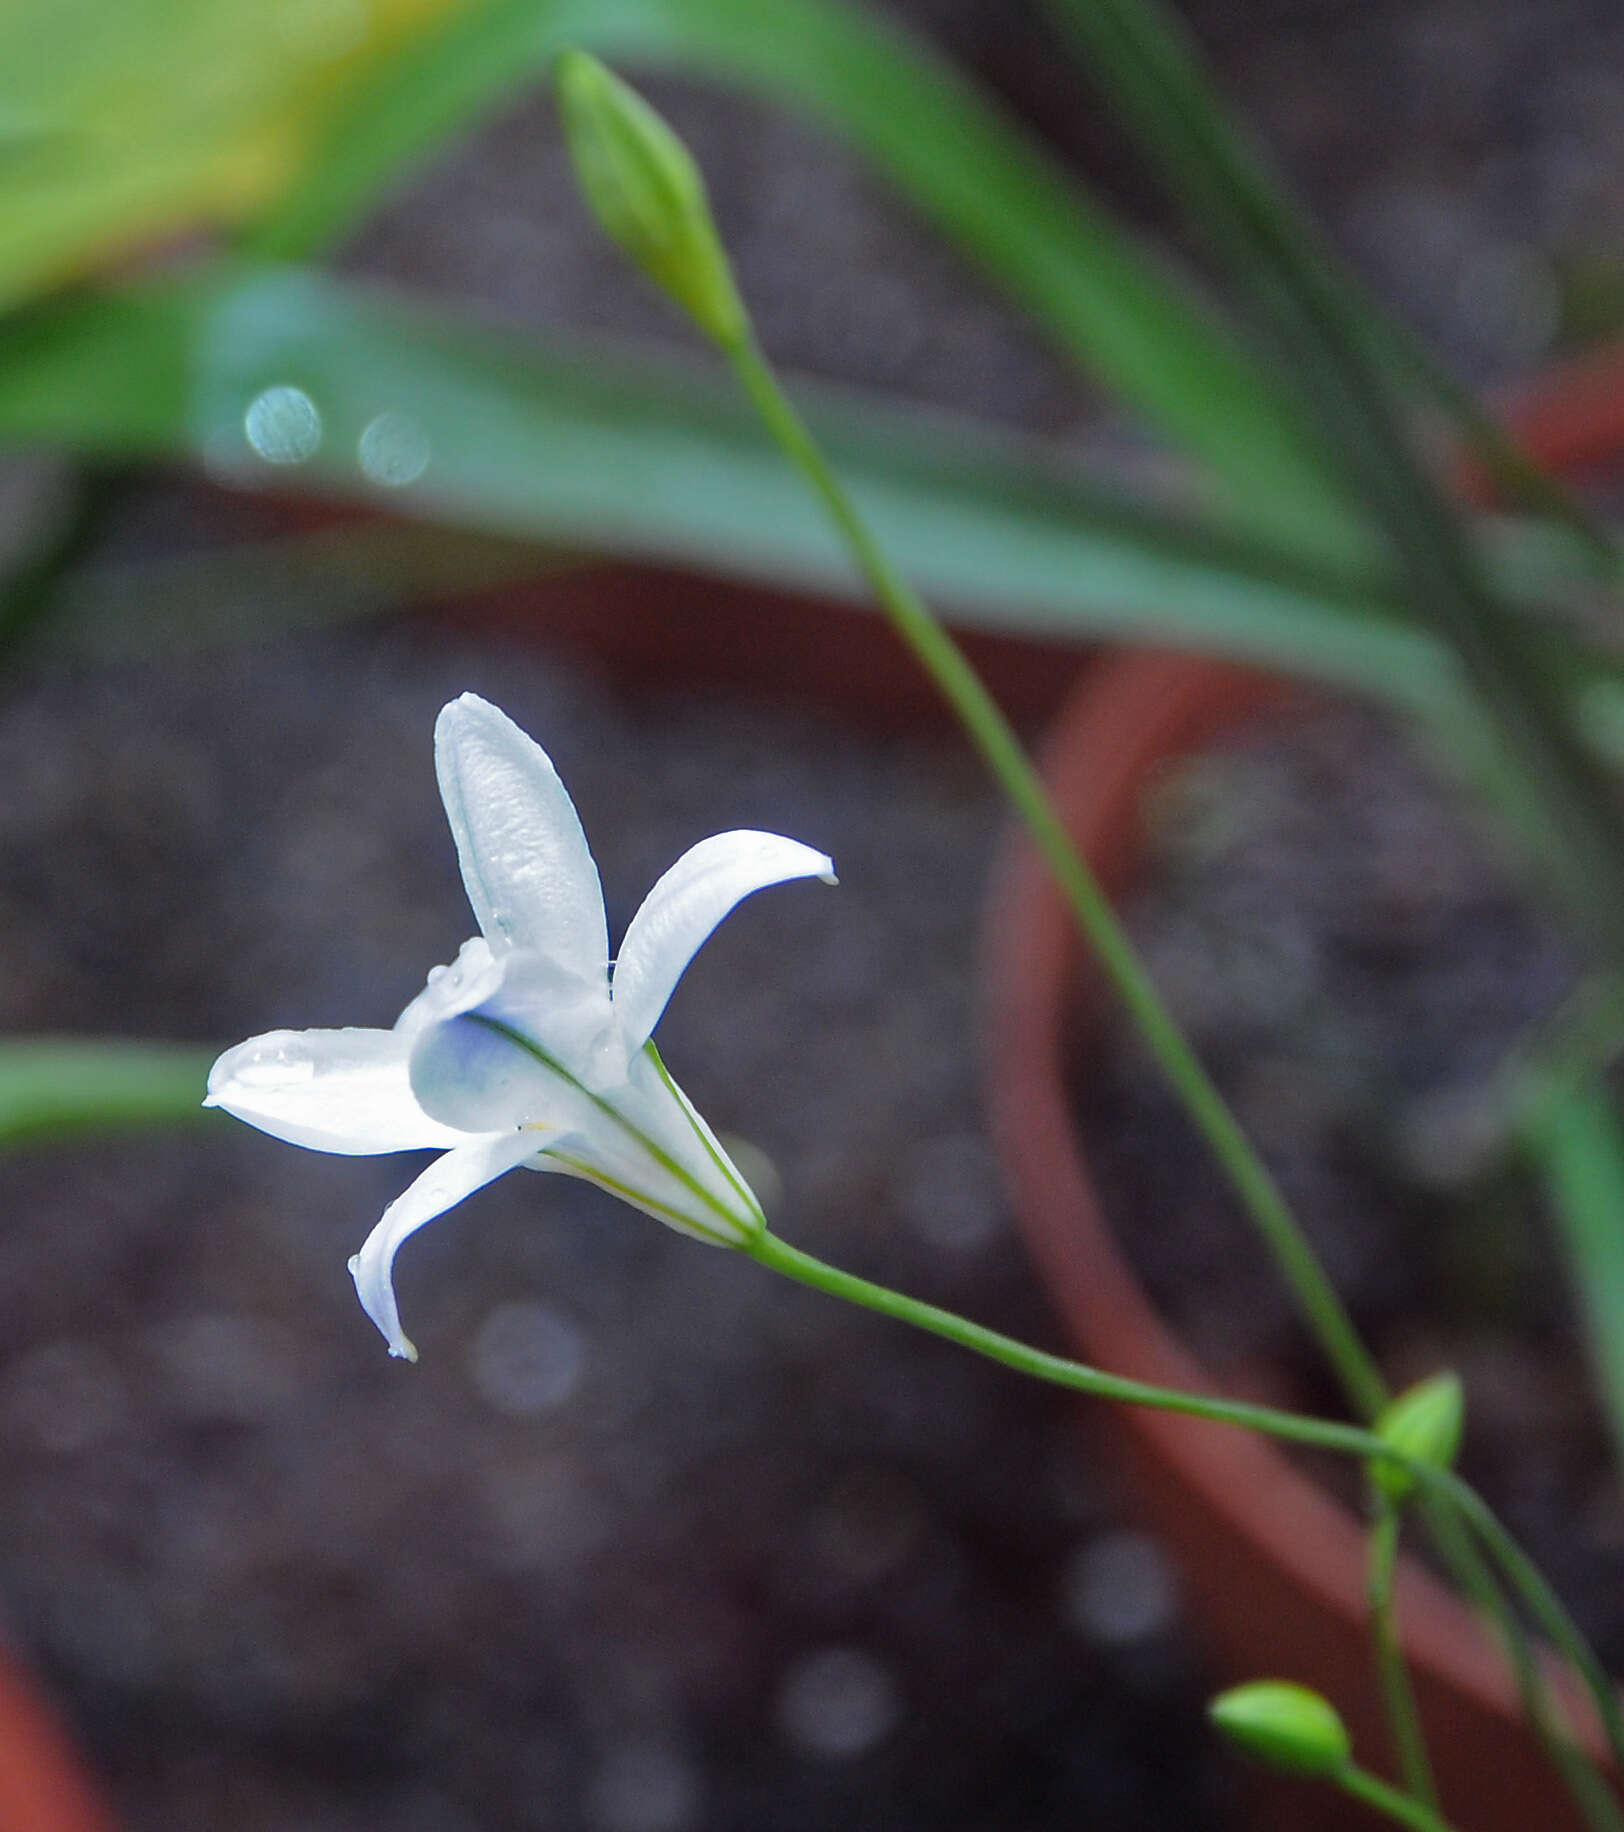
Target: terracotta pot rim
(43, 1786)
(1134, 710)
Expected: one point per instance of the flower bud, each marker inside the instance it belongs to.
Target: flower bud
(645, 190)
(1424, 1423)
(1283, 1725)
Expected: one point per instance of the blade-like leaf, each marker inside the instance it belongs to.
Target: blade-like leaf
(1235, 198)
(123, 122)
(1564, 805)
(986, 185)
(654, 460)
(253, 590)
(553, 442)
(1579, 1148)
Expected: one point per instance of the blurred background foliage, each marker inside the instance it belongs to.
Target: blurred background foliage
(174, 178)
(186, 196)
(125, 127)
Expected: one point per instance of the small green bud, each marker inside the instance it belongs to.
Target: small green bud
(644, 188)
(1283, 1725)
(1425, 1423)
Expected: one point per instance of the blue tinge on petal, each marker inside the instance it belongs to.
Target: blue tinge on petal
(466, 1074)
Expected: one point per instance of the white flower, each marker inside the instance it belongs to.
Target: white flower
(526, 1051)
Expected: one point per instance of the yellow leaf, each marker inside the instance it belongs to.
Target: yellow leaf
(127, 123)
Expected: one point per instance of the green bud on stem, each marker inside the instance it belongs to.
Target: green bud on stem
(1425, 1423)
(646, 191)
(1283, 1725)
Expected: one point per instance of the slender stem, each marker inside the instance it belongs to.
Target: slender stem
(1446, 1489)
(1404, 1808)
(1362, 1382)
(1579, 1773)
(993, 736)
(1543, 1604)
(1398, 1694)
(1294, 1427)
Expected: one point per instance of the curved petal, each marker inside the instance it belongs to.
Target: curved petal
(648, 1146)
(482, 1075)
(683, 908)
(442, 1186)
(524, 858)
(347, 1091)
(469, 980)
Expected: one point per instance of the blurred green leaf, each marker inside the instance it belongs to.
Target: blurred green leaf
(1141, 328)
(51, 1087)
(553, 442)
(1233, 196)
(126, 122)
(658, 460)
(1329, 347)
(1578, 1143)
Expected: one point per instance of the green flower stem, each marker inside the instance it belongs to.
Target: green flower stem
(1579, 1773)
(1362, 1382)
(1543, 1604)
(1398, 1694)
(991, 733)
(1291, 1427)
(1294, 1427)
(993, 736)
(1403, 1808)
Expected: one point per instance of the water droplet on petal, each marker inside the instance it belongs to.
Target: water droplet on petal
(283, 425)
(276, 1066)
(394, 450)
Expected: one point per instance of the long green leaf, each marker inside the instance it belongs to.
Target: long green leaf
(1564, 805)
(654, 460)
(124, 123)
(1578, 1145)
(985, 184)
(1235, 198)
(555, 443)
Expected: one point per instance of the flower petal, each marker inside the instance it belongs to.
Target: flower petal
(347, 1091)
(470, 979)
(647, 1145)
(442, 1186)
(485, 1075)
(524, 858)
(683, 908)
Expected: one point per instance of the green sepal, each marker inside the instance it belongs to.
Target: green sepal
(1284, 1726)
(1424, 1424)
(647, 193)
